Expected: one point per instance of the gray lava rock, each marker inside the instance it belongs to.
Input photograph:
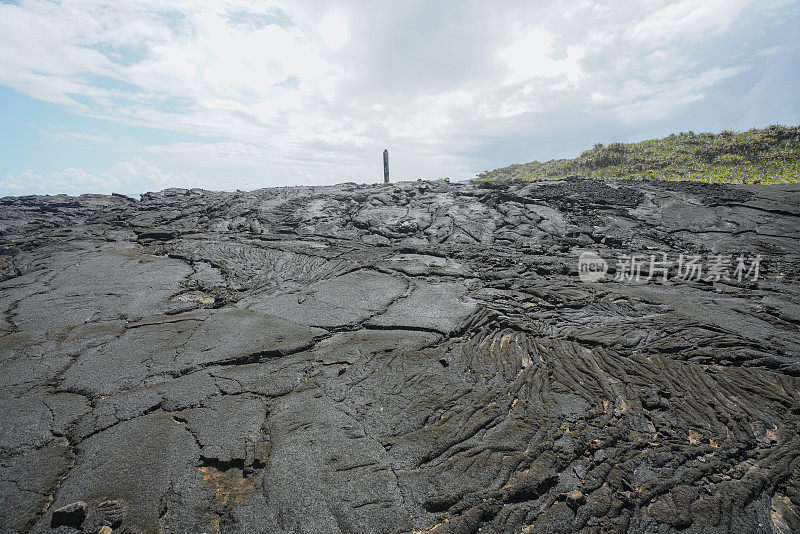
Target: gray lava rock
(411, 357)
(70, 515)
(108, 515)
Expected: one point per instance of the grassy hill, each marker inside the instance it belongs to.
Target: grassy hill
(765, 156)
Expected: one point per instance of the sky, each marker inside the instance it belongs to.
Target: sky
(131, 96)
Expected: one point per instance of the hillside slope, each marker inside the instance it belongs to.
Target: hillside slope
(765, 156)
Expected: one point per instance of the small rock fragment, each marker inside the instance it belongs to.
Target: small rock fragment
(71, 515)
(575, 499)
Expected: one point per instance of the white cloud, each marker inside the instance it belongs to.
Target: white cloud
(656, 101)
(131, 177)
(333, 30)
(531, 56)
(688, 19)
(293, 88)
(190, 60)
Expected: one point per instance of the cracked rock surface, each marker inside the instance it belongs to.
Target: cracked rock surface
(415, 357)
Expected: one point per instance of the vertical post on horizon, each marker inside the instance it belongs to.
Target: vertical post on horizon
(386, 165)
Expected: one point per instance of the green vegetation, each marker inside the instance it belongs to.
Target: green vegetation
(766, 156)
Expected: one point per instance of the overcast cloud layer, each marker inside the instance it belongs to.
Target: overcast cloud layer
(132, 96)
